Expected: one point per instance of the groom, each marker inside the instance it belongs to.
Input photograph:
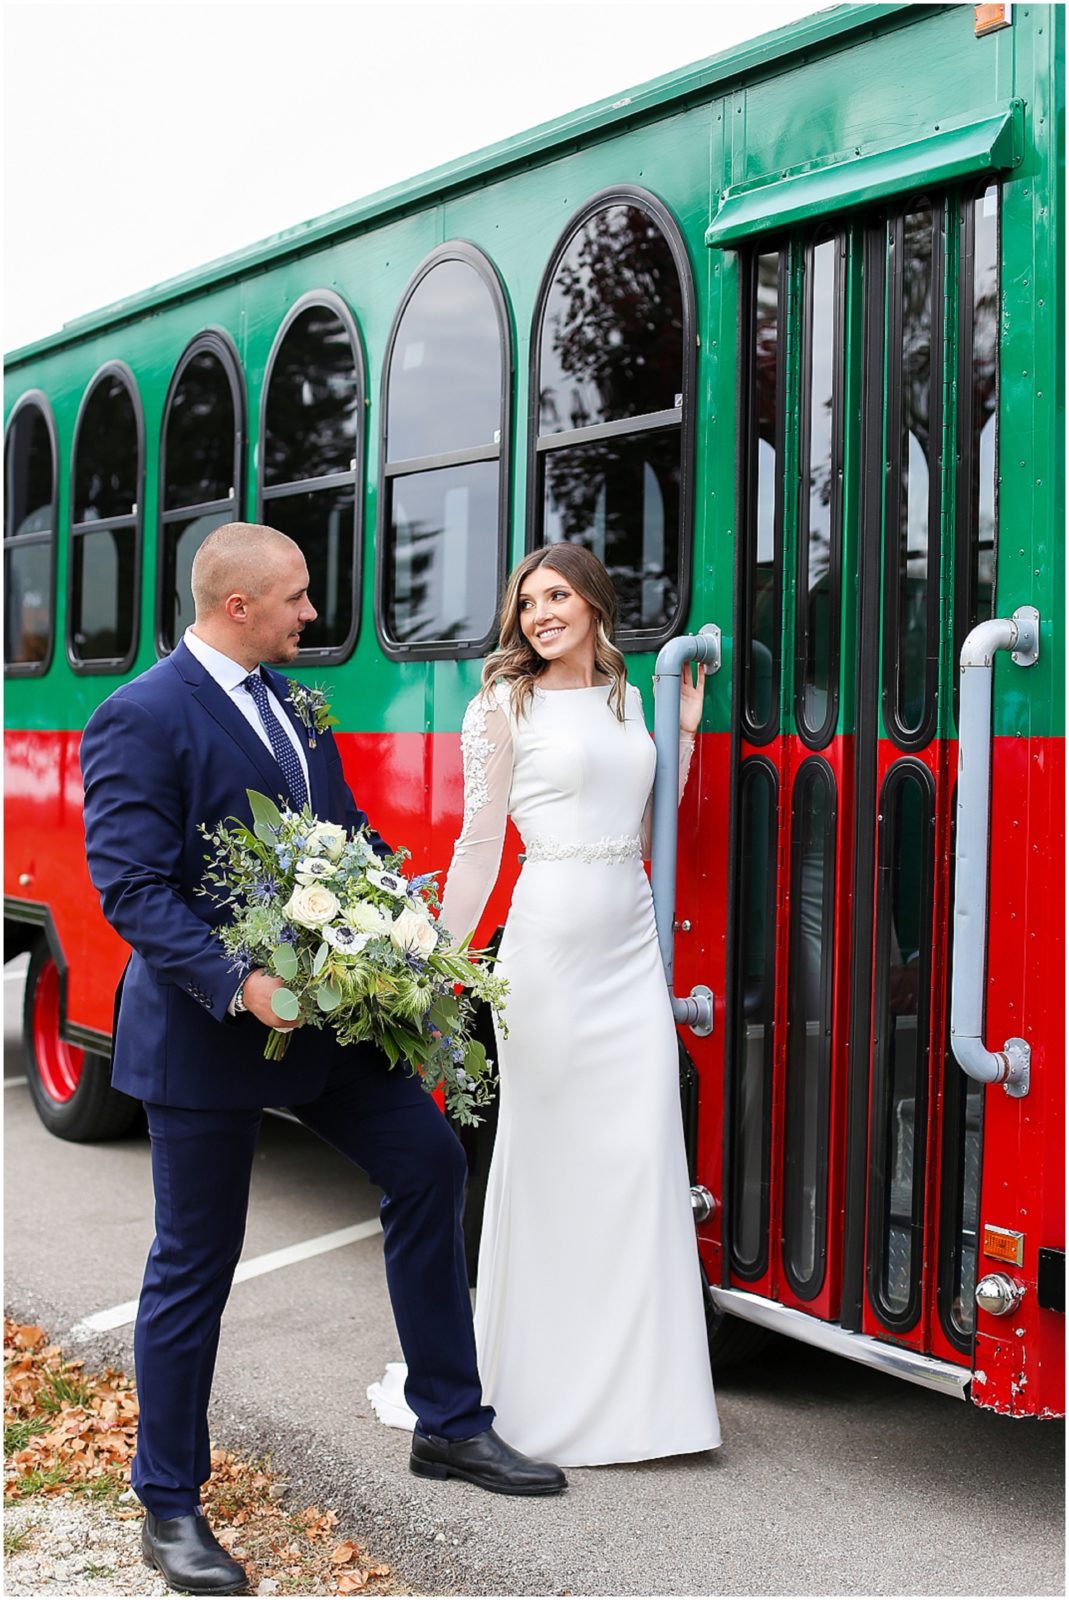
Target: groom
(177, 747)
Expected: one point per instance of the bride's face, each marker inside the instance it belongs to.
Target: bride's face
(555, 619)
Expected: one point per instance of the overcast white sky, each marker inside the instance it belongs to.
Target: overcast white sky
(145, 138)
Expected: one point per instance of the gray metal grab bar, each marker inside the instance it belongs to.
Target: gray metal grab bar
(695, 1010)
(1009, 1066)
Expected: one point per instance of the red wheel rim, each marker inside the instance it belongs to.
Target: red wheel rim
(59, 1065)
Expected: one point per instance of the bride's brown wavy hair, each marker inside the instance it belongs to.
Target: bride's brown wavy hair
(517, 663)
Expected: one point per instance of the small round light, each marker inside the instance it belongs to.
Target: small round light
(999, 1294)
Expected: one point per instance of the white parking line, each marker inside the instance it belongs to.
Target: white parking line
(13, 1083)
(119, 1316)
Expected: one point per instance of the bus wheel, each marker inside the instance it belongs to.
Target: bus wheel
(71, 1088)
(731, 1339)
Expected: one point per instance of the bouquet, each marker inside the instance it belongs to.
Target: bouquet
(355, 945)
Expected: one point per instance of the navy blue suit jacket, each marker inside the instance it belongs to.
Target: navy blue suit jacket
(163, 753)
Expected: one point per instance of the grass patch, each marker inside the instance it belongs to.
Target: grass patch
(16, 1540)
(18, 1434)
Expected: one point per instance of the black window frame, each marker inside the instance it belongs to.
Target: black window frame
(38, 399)
(333, 302)
(747, 479)
(908, 770)
(818, 736)
(910, 739)
(814, 769)
(219, 344)
(629, 640)
(101, 665)
(444, 649)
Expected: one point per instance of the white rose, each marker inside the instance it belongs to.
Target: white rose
(313, 869)
(413, 933)
(311, 906)
(326, 839)
(366, 918)
(345, 939)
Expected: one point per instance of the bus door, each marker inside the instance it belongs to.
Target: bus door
(867, 507)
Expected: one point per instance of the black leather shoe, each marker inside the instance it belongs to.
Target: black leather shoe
(486, 1461)
(189, 1555)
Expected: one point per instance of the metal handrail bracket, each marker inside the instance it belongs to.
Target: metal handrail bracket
(1011, 1065)
(695, 1010)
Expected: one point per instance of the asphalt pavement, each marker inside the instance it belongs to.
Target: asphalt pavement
(831, 1479)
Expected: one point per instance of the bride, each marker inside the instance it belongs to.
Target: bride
(588, 1317)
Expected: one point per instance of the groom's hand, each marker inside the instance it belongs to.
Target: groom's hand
(259, 987)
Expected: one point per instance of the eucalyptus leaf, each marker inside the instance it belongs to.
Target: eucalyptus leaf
(320, 959)
(284, 961)
(284, 1004)
(265, 813)
(328, 998)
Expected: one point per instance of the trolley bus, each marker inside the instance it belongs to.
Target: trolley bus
(780, 337)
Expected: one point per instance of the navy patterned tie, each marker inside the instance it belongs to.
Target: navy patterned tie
(284, 753)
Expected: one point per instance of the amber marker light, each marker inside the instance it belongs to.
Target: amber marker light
(1002, 1244)
(988, 19)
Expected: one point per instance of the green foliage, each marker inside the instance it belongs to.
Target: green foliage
(355, 945)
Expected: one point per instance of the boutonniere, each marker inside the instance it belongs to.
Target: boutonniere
(312, 710)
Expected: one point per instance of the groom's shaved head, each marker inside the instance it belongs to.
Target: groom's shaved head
(239, 556)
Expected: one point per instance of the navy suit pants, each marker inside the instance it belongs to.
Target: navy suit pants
(382, 1120)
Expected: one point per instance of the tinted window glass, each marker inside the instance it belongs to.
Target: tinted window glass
(181, 541)
(105, 477)
(819, 598)
(762, 674)
(809, 1034)
(442, 574)
(200, 430)
(984, 400)
(914, 453)
(321, 522)
(445, 370)
(102, 627)
(28, 475)
(612, 334)
(27, 602)
(313, 401)
(901, 1044)
(620, 498)
(755, 1005)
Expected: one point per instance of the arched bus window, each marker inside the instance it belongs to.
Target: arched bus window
(444, 516)
(106, 478)
(820, 507)
(201, 450)
(29, 536)
(612, 374)
(312, 433)
(912, 508)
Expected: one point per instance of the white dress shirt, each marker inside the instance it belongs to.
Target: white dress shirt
(230, 675)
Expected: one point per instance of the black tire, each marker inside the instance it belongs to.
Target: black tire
(93, 1110)
(732, 1340)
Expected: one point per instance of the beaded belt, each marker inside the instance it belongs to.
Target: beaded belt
(626, 848)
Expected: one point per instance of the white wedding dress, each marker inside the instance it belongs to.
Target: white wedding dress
(588, 1314)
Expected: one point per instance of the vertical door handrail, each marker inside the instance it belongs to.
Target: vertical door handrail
(695, 1010)
(1009, 1066)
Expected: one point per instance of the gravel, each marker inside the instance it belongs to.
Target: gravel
(74, 1548)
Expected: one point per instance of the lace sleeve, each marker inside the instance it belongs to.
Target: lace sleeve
(686, 751)
(486, 746)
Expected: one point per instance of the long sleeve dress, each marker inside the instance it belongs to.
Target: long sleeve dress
(589, 1317)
